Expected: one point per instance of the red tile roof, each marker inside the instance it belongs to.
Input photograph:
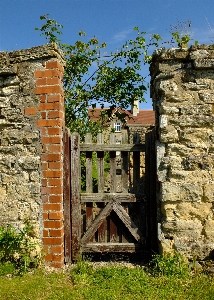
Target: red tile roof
(143, 117)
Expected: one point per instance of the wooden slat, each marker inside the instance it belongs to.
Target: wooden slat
(125, 218)
(89, 186)
(115, 147)
(67, 192)
(125, 162)
(108, 197)
(75, 195)
(112, 166)
(100, 164)
(136, 166)
(89, 183)
(112, 234)
(112, 247)
(102, 229)
(97, 222)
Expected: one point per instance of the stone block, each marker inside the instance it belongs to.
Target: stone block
(185, 228)
(209, 192)
(169, 134)
(181, 192)
(209, 229)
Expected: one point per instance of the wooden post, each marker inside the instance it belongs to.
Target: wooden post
(75, 195)
(67, 192)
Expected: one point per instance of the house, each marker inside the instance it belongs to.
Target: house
(136, 122)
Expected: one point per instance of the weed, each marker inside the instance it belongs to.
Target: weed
(18, 248)
(169, 265)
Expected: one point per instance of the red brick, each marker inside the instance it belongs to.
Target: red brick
(41, 81)
(43, 130)
(55, 148)
(48, 73)
(56, 198)
(44, 166)
(50, 106)
(43, 115)
(51, 190)
(54, 131)
(55, 215)
(44, 198)
(30, 111)
(52, 240)
(52, 174)
(44, 148)
(55, 182)
(53, 224)
(54, 80)
(55, 114)
(56, 249)
(44, 182)
(55, 98)
(49, 123)
(46, 233)
(48, 89)
(56, 232)
(45, 215)
(51, 157)
(54, 65)
(57, 264)
(52, 140)
(43, 98)
(52, 206)
(55, 165)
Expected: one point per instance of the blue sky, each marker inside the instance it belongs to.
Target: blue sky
(111, 21)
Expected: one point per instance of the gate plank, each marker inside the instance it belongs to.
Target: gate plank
(136, 165)
(125, 161)
(67, 192)
(89, 183)
(108, 197)
(100, 164)
(112, 247)
(113, 237)
(97, 222)
(75, 195)
(125, 218)
(89, 187)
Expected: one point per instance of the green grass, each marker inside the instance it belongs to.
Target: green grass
(83, 281)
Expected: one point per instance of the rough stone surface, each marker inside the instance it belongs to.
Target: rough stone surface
(20, 139)
(182, 90)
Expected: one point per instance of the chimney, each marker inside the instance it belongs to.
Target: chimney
(135, 108)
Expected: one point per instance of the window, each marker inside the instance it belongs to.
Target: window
(117, 126)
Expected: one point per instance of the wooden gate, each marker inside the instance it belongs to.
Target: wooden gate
(110, 214)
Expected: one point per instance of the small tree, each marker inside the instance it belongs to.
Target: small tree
(116, 80)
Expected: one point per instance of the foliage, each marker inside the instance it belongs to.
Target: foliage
(93, 77)
(18, 248)
(169, 264)
(50, 29)
(181, 33)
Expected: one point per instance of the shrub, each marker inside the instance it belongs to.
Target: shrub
(19, 248)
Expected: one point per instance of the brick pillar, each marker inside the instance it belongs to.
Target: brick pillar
(49, 88)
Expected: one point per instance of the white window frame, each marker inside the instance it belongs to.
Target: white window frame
(117, 126)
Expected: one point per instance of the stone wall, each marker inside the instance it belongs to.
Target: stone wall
(182, 83)
(31, 128)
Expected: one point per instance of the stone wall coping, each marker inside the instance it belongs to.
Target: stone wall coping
(200, 51)
(46, 51)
